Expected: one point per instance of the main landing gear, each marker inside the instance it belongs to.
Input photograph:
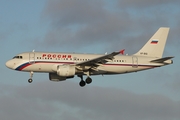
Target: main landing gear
(30, 79)
(82, 83)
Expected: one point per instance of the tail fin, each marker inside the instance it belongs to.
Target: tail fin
(155, 46)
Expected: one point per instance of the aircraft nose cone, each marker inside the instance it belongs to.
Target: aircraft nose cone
(9, 64)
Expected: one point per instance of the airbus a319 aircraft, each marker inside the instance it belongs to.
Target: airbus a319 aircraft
(62, 66)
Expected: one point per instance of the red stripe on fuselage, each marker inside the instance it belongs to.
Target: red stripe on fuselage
(23, 66)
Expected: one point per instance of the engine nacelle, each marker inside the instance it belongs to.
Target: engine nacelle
(55, 77)
(66, 70)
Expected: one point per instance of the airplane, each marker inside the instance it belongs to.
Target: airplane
(61, 66)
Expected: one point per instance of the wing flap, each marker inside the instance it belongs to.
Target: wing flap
(100, 60)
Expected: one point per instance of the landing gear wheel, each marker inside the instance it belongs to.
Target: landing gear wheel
(82, 83)
(88, 80)
(30, 80)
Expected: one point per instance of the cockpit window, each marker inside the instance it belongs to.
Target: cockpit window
(17, 57)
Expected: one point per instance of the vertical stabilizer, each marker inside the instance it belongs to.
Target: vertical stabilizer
(155, 46)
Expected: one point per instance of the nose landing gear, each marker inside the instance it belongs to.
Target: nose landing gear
(30, 79)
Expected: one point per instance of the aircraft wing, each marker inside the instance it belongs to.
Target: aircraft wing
(99, 60)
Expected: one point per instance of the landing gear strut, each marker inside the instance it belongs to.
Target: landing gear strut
(82, 83)
(30, 79)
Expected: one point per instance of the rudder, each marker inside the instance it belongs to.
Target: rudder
(155, 46)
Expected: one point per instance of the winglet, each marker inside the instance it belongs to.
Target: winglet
(122, 51)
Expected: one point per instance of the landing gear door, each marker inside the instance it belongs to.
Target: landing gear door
(31, 58)
(134, 62)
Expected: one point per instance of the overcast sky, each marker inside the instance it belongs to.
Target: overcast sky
(89, 26)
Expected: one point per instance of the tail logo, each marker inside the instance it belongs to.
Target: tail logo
(154, 41)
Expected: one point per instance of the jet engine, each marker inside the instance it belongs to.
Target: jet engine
(66, 70)
(63, 72)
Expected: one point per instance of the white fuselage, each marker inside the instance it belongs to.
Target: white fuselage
(48, 62)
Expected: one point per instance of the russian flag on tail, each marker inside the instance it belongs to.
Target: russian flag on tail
(154, 41)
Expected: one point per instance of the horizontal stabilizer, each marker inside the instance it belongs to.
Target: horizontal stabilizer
(161, 60)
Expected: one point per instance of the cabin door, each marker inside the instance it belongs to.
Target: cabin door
(31, 57)
(134, 62)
